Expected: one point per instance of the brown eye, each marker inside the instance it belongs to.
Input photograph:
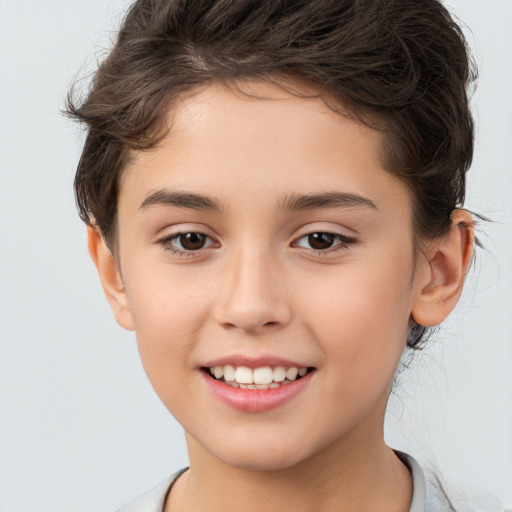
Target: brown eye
(192, 241)
(321, 241)
(187, 243)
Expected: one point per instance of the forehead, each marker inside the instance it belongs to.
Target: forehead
(261, 141)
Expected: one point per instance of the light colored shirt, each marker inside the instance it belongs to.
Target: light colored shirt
(427, 495)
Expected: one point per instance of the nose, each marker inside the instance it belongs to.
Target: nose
(252, 294)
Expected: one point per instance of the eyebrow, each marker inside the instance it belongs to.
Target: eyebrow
(181, 199)
(292, 202)
(296, 202)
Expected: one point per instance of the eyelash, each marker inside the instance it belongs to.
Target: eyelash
(167, 240)
(344, 243)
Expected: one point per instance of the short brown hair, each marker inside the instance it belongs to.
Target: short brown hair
(402, 67)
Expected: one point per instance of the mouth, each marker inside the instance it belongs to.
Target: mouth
(264, 377)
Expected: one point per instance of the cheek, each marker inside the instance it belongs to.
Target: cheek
(168, 312)
(360, 317)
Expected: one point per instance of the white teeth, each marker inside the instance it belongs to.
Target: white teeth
(263, 375)
(258, 378)
(291, 373)
(229, 373)
(218, 371)
(244, 375)
(279, 374)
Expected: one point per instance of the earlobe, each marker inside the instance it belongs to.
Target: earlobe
(443, 271)
(110, 277)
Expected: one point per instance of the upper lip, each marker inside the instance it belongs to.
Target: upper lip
(253, 362)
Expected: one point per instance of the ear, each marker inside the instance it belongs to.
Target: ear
(110, 277)
(441, 276)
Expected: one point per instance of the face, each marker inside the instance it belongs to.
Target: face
(263, 237)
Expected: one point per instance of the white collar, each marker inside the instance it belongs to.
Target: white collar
(426, 497)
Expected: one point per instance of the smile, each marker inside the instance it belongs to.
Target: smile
(257, 389)
(264, 377)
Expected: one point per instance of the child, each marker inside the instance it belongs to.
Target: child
(273, 192)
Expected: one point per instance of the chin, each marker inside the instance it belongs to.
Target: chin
(271, 457)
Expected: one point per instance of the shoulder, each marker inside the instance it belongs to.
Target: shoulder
(154, 499)
(432, 495)
(458, 500)
(429, 494)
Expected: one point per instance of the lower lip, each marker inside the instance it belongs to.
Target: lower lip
(256, 400)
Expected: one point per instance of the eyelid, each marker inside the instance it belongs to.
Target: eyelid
(165, 240)
(344, 241)
(181, 228)
(341, 241)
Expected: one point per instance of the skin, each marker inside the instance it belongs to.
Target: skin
(258, 288)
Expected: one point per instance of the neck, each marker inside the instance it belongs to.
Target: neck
(358, 474)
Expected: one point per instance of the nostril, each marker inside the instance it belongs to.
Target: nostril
(251, 305)
(248, 321)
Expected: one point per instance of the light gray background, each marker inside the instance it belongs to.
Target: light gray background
(80, 428)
